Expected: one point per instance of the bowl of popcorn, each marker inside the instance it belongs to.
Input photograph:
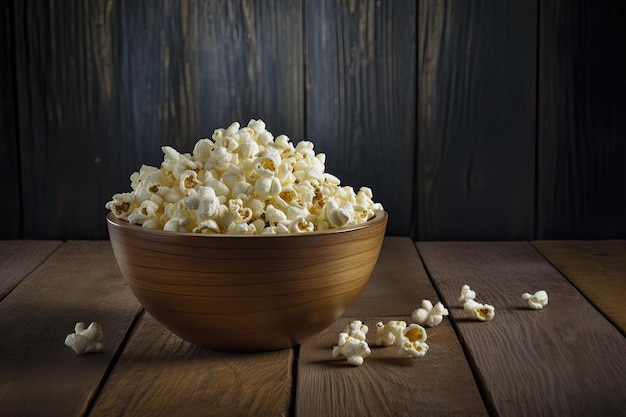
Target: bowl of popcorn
(246, 243)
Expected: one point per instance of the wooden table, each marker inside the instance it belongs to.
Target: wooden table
(568, 359)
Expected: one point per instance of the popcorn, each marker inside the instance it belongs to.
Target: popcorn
(188, 181)
(414, 345)
(339, 216)
(482, 312)
(536, 301)
(242, 181)
(146, 215)
(267, 187)
(122, 205)
(301, 225)
(428, 314)
(466, 294)
(411, 340)
(386, 333)
(356, 329)
(85, 340)
(352, 344)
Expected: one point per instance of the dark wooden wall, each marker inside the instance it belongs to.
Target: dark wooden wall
(476, 119)
(469, 119)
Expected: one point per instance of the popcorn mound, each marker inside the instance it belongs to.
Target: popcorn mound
(242, 181)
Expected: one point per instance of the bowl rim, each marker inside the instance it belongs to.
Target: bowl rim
(379, 217)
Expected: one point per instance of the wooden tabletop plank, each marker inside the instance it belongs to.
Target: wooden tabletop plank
(438, 384)
(397, 285)
(597, 269)
(39, 375)
(18, 258)
(565, 359)
(159, 374)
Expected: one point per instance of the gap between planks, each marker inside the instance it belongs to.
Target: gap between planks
(18, 258)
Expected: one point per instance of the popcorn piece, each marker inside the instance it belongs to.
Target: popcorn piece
(239, 179)
(301, 225)
(353, 349)
(482, 312)
(146, 215)
(536, 301)
(121, 205)
(188, 180)
(429, 315)
(339, 216)
(208, 226)
(466, 294)
(177, 224)
(386, 333)
(356, 329)
(414, 344)
(411, 340)
(267, 187)
(85, 340)
(352, 344)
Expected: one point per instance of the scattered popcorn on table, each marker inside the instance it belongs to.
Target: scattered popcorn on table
(242, 181)
(536, 301)
(356, 329)
(466, 294)
(85, 340)
(386, 333)
(482, 312)
(429, 315)
(352, 344)
(414, 343)
(410, 339)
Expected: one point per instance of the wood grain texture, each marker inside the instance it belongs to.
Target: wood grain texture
(398, 284)
(566, 359)
(476, 120)
(11, 209)
(39, 375)
(469, 120)
(437, 384)
(160, 374)
(581, 171)
(281, 289)
(103, 85)
(597, 269)
(18, 258)
(361, 95)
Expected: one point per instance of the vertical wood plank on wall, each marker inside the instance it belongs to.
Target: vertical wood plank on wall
(103, 85)
(476, 119)
(361, 95)
(68, 115)
(10, 209)
(190, 67)
(581, 131)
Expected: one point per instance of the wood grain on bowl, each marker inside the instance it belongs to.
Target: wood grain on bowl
(247, 293)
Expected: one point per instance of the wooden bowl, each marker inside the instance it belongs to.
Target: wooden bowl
(247, 292)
